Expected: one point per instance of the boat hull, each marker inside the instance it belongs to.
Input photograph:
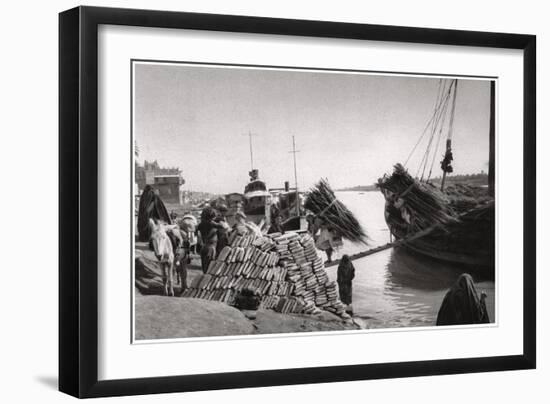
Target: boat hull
(469, 242)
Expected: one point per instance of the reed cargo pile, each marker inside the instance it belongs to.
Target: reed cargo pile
(322, 201)
(421, 205)
(285, 271)
(463, 197)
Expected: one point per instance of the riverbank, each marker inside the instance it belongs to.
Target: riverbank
(161, 317)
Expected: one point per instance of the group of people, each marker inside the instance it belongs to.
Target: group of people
(213, 232)
(213, 235)
(461, 305)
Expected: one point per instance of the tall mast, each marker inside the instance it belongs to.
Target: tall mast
(492, 142)
(446, 163)
(294, 151)
(249, 134)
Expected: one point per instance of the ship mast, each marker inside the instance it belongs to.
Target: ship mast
(294, 151)
(492, 142)
(249, 134)
(448, 158)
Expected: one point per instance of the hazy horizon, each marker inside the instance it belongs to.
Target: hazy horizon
(350, 128)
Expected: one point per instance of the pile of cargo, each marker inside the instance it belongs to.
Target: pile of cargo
(284, 304)
(306, 271)
(421, 204)
(322, 201)
(284, 270)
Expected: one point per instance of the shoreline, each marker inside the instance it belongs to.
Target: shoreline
(162, 317)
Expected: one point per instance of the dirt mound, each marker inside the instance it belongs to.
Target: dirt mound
(159, 317)
(149, 274)
(172, 317)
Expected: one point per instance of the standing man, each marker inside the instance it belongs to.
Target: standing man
(324, 240)
(223, 230)
(207, 232)
(276, 226)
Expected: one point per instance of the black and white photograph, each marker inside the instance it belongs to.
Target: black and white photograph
(275, 202)
(280, 200)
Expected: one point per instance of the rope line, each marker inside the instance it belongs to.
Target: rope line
(440, 135)
(438, 114)
(427, 125)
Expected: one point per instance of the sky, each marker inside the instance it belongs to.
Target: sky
(350, 128)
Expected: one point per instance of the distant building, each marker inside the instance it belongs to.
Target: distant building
(169, 188)
(167, 181)
(145, 174)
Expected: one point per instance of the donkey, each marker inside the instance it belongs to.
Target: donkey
(180, 266)
(162, 246)
(180, 244)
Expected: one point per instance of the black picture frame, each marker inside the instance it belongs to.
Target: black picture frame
(78, 196)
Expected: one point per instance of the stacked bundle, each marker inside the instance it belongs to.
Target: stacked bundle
(337, 306)
(305, 270)
(464, 197)
(285, 271)
(283, 251)
(246, 264)
(237, 240)
(284, 304)
(322, 201)
(425, 204)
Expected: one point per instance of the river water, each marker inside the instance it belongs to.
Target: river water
(395, 288)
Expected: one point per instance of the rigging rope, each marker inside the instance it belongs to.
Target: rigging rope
(427, 125)
(451, 123)
(441, 130)
(446, 165)
(436, 124)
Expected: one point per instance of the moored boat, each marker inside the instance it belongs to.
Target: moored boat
(469, 240)
(257, 199)
(458, 222)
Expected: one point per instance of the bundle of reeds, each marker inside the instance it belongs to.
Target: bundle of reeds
(322, 201)
(464, 197)
(426, 205)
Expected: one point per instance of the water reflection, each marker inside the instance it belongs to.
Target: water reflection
(408, 269)
(397, 288)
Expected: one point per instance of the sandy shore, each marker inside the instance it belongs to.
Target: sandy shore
(159, 317)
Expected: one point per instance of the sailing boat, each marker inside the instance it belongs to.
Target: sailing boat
(458, 221)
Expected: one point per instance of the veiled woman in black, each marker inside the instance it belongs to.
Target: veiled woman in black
(462, 304)
(150, 207)
(346, 273)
